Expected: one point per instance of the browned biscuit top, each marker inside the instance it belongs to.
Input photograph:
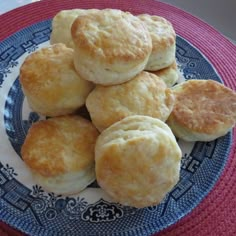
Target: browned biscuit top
(60, 145)
(161, 30)
(204, 106)
(112, 34)
(61, 25)
(146, 94)
(43, 72)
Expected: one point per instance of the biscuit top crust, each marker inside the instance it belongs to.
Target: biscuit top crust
(60, 145)
(46, 61)
(204, 105)
(62, 22)
(149, 137)
(131, 128)
(145, 94)
(61, 25)
(161, 30)
(112, 34)
(49, 72)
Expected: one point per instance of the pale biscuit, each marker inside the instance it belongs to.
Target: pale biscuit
(137, 161)
(111, 46)
(170, 74)
(60, 153)
(204, 110)
(61, 25)
(163, 42)
(146, 94)
(50, 82)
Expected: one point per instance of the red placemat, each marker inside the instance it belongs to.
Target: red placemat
(216, 214)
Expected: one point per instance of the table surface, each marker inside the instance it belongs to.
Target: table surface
(226, 224)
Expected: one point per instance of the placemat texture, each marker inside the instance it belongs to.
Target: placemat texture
(216, 214)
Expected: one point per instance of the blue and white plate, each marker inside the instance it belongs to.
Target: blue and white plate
(26, 206)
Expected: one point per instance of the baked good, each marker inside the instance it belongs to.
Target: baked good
(137, 161)
(61, 25)
(204, 110)
(146, 94)
(163, 42)
(50, 82)
(111, 46)
(170, 74)
(60, 153)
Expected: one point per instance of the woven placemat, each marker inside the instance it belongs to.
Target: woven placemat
(216, 214)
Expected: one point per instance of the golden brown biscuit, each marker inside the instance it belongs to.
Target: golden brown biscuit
(61, 25)
(50, 82)
(204, 110)
(146, 94)
(60, 153)
(137, 161)
(111, 46)
(170, 74)
(163, 42)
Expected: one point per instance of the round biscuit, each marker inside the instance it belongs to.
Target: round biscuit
(146, 94)
(163, 42)
(50, 83)
(204, 110)
(111, 46)
(60, 153)
(137, 161)
(61, 25)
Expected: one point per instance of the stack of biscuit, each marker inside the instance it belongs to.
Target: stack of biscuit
(122, 68)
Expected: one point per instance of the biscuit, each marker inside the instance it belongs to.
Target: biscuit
(170, 74)
(204, 110)
(137, 161)
(60, 153)
(111, 46)
(61, 25)
(163, 42)
(50, 82)
(146, 94)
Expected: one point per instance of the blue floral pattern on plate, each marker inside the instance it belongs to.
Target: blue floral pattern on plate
(29, 208)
